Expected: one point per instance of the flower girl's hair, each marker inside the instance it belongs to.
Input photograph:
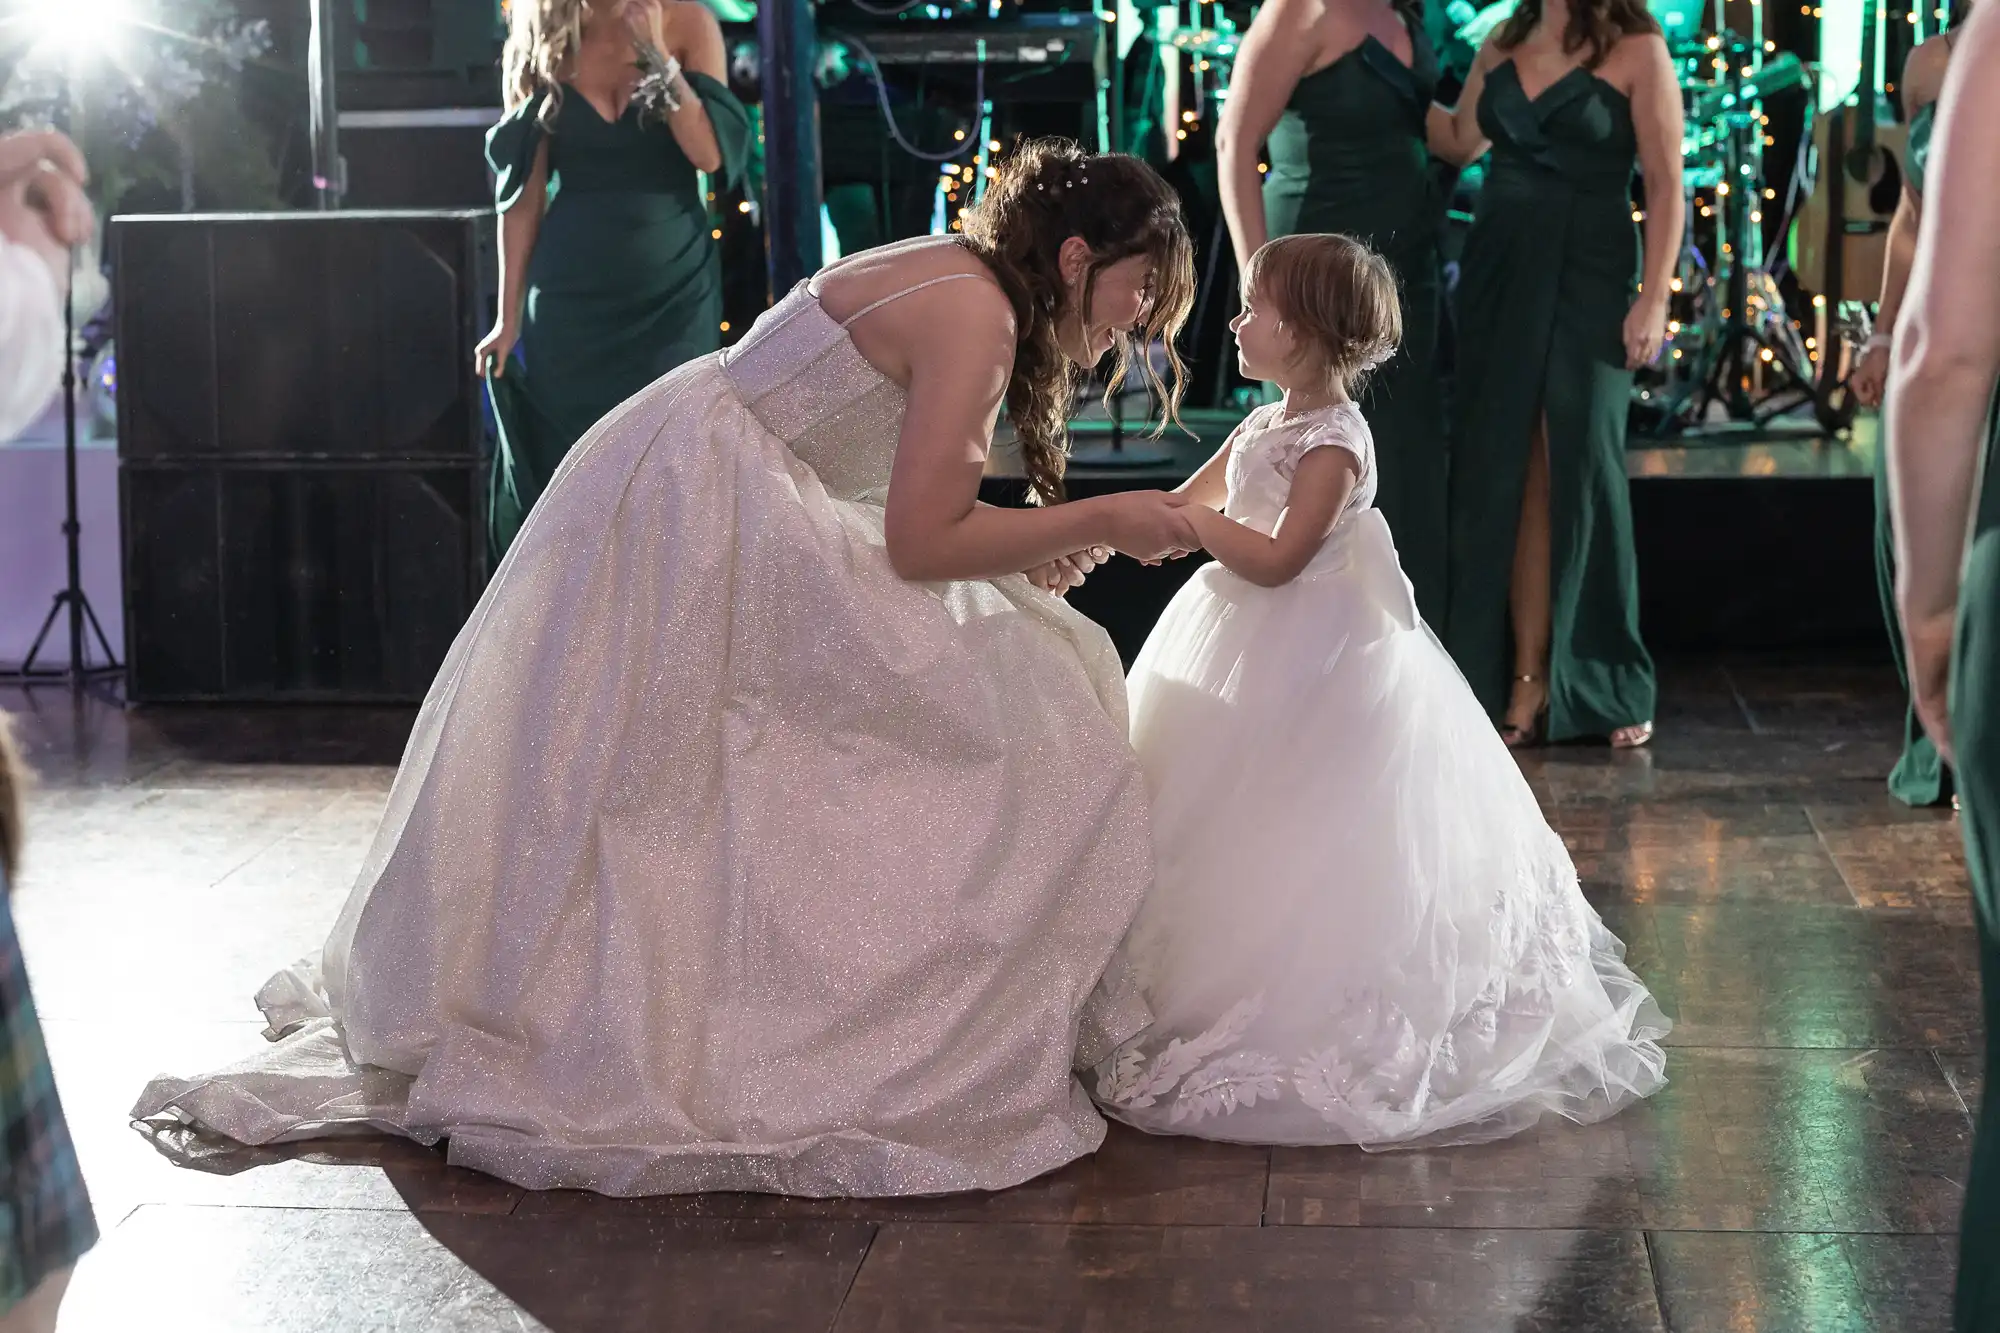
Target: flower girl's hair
(1337, 297)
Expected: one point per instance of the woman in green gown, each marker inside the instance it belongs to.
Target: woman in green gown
(609, 275)
(1553, 318)
(1339, 92)
(1920, 776)
(1941, 426)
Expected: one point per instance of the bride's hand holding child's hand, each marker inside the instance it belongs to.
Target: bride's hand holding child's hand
(1066, 573)
(1150, 526)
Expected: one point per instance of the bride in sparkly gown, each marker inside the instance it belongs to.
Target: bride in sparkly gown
(762, 830)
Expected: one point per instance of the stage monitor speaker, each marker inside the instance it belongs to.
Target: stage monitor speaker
(301, 472)
(433, 157)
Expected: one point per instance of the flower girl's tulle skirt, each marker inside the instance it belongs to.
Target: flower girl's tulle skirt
(1362, 930)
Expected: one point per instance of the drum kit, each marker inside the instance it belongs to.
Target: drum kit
(1733, 352)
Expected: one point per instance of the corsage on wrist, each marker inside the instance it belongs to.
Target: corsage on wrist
(662, 89)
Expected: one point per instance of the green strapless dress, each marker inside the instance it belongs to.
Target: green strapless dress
(1349, 156)
(1920, 776)
(624, 283)
(1550, 269)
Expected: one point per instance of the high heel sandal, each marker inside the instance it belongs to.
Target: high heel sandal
(1632, 737)
(1530, 736)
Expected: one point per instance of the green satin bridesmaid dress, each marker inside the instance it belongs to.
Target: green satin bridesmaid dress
(1975, 728)
(1349, 156)
(1920, 776)
(1550, 269)
(624, 283)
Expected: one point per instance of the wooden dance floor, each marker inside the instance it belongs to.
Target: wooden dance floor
(1802, 1171)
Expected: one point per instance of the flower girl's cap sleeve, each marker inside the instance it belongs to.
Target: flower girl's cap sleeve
(1342, 428)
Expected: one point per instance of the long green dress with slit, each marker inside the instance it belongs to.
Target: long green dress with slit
(1920, 776)
(1349, 156)
(1550, 269)
(624, 283)
(1975, 729)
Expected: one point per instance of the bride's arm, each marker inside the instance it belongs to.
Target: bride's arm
(960, 349)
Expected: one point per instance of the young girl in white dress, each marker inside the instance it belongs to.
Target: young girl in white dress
(1361, 930)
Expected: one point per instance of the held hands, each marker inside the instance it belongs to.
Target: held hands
(1151, 526)
(1645, 330)
(1066, 573)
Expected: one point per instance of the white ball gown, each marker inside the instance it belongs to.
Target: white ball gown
(721, 857)
(1362, 930)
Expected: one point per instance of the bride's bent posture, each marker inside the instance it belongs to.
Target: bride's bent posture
(1362, 930)
(765, 829)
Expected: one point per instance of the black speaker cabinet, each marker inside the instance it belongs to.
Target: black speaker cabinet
(300, 450)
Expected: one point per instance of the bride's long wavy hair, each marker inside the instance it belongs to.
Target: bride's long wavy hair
(1043, 193)
(543, 37)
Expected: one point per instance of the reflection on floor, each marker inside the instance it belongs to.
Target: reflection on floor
(1801, 1172)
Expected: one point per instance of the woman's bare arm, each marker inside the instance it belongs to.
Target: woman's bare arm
(1276, 52)
(1946, 362)
(519, 226)
(696, 40)
(1454, 132)
(958, 342)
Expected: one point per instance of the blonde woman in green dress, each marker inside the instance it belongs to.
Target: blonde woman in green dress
(609, 275)
(1920, 777)
(1941, 428)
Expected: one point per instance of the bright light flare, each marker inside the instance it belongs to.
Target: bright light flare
(76, 30)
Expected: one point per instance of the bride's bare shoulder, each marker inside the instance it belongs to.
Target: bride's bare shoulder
(926, 305)
(876, 277)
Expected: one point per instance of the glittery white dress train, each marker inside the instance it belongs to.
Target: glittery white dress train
(1362, 930)
(721, 858)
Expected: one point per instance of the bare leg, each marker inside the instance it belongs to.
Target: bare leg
(37, 1311)
(1528, 599)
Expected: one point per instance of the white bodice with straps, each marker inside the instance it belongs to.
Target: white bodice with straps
(801, 375)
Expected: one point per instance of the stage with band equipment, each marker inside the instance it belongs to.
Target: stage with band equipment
(879, 121)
